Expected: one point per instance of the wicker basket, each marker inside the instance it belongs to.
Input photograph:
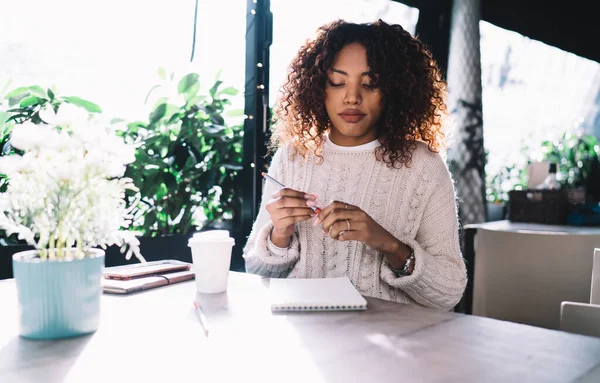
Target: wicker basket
(538, 206)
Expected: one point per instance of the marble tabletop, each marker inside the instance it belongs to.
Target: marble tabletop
(155, 336)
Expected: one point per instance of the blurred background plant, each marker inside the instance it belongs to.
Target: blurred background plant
(511, 176)
(577, 156)
(187, 159)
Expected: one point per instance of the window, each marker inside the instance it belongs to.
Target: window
(532, 91)
(109, 52)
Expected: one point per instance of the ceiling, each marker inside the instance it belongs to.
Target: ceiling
(570, 25)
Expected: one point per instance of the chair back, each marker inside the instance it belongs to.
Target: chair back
(595, 289)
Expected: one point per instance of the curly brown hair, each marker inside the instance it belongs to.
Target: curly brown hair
(410, 81)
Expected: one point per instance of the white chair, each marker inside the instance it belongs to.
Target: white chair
(584, 318)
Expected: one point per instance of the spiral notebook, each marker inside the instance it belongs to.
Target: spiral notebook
(319, 294)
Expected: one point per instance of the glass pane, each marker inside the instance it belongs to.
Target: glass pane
(531, 92)
(110, 53)
(293, 25)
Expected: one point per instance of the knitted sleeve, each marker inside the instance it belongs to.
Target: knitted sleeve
(261, 255)
(439, 276)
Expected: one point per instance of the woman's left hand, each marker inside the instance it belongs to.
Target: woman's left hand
(347, 222)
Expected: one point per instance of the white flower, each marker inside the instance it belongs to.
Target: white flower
(28, 136)
(67, 115)
(11, 164)
(65, 189)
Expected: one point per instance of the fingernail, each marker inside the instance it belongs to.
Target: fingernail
(311, 203)
(324, 233)
(316, 220)
(310, 196)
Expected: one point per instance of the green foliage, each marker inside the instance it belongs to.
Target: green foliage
(511, 176)
(187, 160)
(575, 155)
(578, 160)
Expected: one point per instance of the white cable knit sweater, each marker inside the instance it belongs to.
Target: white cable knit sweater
(416, 204)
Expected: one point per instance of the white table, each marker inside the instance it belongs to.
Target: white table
(155, 337)
(524, 271)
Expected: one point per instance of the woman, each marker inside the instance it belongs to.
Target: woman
(359, 135)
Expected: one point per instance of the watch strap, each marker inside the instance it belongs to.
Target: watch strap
(405, 269)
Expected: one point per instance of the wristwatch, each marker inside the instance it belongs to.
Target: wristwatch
(405, 270)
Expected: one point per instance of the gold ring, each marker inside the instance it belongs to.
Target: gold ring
(348, 222)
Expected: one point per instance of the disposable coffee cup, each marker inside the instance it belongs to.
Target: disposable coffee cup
(211, 257)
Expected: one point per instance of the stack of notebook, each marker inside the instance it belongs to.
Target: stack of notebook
(144, 276)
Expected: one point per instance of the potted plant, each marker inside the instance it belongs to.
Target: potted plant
(17, 106)
(511, 176)
(65, 196)
(577, 157)
(186, 163)
(24, 104)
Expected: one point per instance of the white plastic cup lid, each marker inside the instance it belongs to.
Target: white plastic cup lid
(211, 236)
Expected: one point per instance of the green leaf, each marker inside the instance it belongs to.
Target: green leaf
(590, 141)
(3, 118)
(158, 113)
(162, 74)
(150, 92)
(218, 74)
(116, 120)
(187, 82)
(195, 100)
(15, 117)
(87, 105)
(171, 111)
(17, 92)
(161, 192)
(214, 88)
(162, 100)
(17, 110)
(31, 100)
(38, 91)
(214, 129)
(231, 91)
(191, 92)
(50, 94)
(232, 167)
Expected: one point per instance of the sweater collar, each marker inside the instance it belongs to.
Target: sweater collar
(328, 145)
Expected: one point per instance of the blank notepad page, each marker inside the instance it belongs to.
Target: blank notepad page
(319, 294)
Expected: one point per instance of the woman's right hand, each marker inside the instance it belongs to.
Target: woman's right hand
(286, 208)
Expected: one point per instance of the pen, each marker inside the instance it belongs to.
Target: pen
(201, 318)
(315, 209)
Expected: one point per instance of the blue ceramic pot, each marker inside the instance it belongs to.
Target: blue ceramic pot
(58, 298)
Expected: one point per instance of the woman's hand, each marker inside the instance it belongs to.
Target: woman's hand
(286, 208)
(345, 222)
